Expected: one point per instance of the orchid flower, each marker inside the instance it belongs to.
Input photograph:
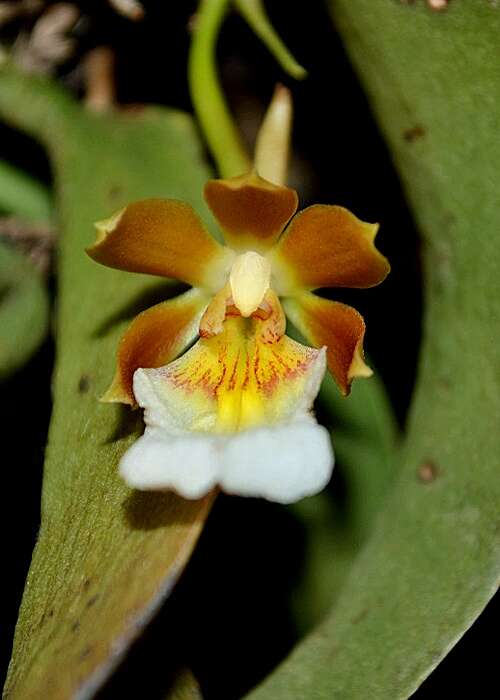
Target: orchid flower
(234, 411)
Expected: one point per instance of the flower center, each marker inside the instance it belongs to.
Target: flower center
(249, 281)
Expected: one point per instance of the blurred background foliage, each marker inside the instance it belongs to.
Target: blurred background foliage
(262, 575)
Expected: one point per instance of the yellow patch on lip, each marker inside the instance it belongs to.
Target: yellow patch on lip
(235, 380)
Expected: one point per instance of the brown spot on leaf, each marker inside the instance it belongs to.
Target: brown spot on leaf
(92, 601)
(414, 133)
(114, 193)
(84, 384)
(427, 472)
(75, 626)
(85, 653)
(445, 383)
(360, 616)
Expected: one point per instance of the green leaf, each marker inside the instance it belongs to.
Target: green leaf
(106, 557)
(364, 436)
(24, 304)
(23, 196)
(24, 310)
(255, 15)
(432, 561)
(185, 687)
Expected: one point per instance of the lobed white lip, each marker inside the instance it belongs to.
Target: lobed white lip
(283, 463)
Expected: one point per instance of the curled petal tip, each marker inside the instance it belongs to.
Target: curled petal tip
(373, 228)
(106, 226)
(358, 367)
(117, 393)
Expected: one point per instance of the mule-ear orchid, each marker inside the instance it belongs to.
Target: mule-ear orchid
(234, 410)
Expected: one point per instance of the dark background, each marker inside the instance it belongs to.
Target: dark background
(230, 614)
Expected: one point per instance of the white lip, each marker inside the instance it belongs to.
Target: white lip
(282, 463)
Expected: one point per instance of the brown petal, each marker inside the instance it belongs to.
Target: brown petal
(154, 338)
(251, 211)
(161, 237)
(327, 246)
(338, 326)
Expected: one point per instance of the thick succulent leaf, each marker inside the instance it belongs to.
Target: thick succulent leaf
(365, 438)
(432, 561)
(24, 305)
(105, 557)
(23, 196)
(24, 310)
(184, 687)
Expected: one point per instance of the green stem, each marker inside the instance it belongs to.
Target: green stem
(216, 122)
(253, 11)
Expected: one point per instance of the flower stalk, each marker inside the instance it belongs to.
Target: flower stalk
(214, 117)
